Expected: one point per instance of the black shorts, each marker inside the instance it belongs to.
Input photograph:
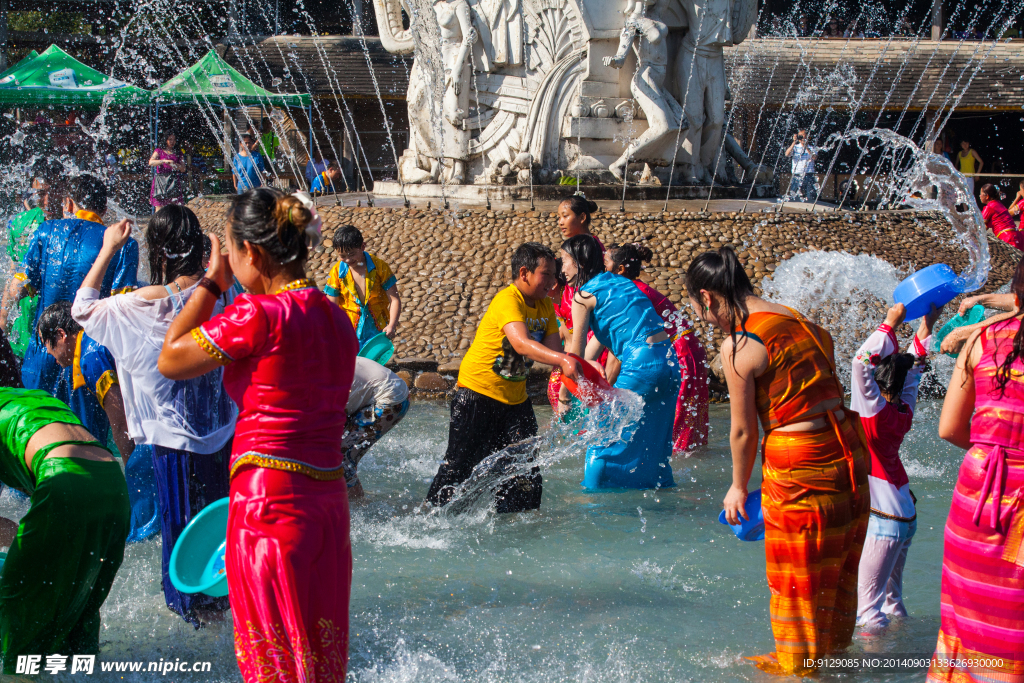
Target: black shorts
(479, 427)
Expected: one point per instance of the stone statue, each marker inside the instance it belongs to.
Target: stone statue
(663, 113)
(507, 92)
(700, 67)
(457, 38)
(500, 25)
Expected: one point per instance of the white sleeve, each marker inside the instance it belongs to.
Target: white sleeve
(866, 398)
(913, 382)
(96, 316)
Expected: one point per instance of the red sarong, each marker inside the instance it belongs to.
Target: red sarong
(690, 429)
(289, 567)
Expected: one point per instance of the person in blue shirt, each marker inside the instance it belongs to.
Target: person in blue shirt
(95, 397)
(327, 182)
(641, 360)
(58, 259)
(246, 167)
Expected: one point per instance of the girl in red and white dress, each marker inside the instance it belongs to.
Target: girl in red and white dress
(885, 384)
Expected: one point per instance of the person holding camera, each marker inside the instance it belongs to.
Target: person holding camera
(802, 183)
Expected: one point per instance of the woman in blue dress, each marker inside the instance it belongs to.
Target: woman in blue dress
(641, 359)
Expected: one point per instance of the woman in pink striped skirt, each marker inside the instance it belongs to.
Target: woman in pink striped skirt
(983, 560)
(690, 429)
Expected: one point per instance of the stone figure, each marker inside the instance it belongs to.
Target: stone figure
(663, 113)
(500, 25)
(700, 67)
(457, 38)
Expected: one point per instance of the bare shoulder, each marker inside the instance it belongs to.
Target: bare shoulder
(151, 293)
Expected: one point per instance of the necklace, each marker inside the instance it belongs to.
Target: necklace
(296, 284)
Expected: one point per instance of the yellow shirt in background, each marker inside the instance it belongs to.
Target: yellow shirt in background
(491, 366)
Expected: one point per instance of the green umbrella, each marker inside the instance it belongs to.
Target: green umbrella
(213, 79)
(56, 78)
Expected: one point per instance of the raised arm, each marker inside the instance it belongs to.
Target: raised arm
(999, 302)
(115, 237)
(866, 398)
(181, 356)
(919, 346)
(541, 352)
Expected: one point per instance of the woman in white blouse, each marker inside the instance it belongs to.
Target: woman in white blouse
(188, 423)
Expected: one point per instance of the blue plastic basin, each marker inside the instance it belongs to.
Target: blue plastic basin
(751, 529)
(936, 284)
(379, 349)
(197, 561)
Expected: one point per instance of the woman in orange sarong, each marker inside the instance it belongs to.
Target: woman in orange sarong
(780, 368)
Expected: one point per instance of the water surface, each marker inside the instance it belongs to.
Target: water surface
(615, 586)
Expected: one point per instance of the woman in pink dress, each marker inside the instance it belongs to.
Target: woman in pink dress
(289, 357)
(164, 162)
(981, 637)
(690, 429)
(997, 218)
(574, 218)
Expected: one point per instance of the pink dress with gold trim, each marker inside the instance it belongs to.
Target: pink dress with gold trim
(289, 361)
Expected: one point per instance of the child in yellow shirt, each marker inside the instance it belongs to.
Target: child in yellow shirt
(491, 410)
(364, 286)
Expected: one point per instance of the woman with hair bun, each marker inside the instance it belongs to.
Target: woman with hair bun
(624, 322)
(288, 355)
(575, 216)
(780, 368)
(182, 430)
(690, 429)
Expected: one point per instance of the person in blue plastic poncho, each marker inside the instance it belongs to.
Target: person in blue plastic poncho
(97, 401)
(57, 260)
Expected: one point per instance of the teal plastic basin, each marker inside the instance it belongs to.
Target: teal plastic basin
(197, 561)
(3, 558)
(379, 349)
(973, 317)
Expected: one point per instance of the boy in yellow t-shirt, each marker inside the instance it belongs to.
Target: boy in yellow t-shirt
(490, 410)
(364, 286)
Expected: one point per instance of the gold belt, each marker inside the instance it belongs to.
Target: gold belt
(271, 462)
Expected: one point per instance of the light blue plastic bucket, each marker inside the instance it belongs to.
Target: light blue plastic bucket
(936, 284)
(379, 349)
(973, 317)
(197, 561)
(751, 529)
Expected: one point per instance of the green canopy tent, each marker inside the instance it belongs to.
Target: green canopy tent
(55, 78)
(24, 60)
(213, 80)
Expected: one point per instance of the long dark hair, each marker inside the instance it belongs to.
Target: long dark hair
(176, 244)
(631, 257)
(722, 273)
(891, 373)
(586, 254)
(1006, 367)
(270, 219)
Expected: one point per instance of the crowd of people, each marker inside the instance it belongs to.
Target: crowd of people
(239, 378)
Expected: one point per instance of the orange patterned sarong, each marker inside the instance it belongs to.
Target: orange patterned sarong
(814, 494)
(814, 531)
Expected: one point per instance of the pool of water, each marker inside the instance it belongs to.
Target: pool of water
(615, 586)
